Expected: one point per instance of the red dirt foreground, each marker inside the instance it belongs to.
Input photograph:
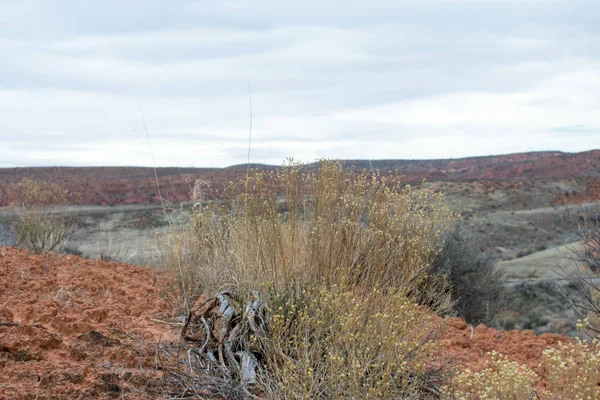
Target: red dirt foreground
(468, 346)
(77, 329)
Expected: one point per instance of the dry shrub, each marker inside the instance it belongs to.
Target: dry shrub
(295, 226)
(336, 343)
(39, 228)
(476, 283)
(340, 259)
(317, 344)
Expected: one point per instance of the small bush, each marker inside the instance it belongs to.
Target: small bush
(295, 226)
(342, 260)
(476, 283)
(338, 344)
(316, 344)
(39, 228)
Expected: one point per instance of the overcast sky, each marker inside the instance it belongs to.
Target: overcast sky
(336, 79)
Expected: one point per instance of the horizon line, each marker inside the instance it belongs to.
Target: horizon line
(308, 163)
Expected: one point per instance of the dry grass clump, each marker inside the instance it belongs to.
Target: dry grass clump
(294, 227)
(38, 227)
(340, 260)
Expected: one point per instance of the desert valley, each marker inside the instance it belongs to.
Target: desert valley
(96, 319)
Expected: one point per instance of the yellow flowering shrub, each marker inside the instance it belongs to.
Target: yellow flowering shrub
(573, 370)
(337, 343)
(502, 380)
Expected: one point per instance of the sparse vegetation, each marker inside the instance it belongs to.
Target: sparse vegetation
(315, 282)
(571, 371)
(39, 228)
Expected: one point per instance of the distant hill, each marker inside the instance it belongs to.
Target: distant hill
(137, 185)
(244, 167)
(510, 166)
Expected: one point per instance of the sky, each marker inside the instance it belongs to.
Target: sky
(327, 79)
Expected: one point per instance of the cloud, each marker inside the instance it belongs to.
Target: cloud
(402, 79)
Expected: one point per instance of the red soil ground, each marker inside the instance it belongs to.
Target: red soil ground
(84, 328)
(79, 329)
(468, 346)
